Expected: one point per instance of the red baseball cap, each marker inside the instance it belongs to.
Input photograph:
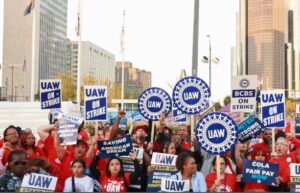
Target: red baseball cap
(144, 127)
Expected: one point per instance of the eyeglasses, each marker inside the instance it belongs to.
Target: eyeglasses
(11, 134)
(18, 163)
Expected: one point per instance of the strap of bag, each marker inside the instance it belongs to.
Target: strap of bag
(73, 184)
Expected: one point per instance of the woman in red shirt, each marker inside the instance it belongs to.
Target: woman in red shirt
(114, 179)
(226, 183)
(28, 144)
(258, 154)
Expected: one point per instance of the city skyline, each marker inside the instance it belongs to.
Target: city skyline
(159, 39)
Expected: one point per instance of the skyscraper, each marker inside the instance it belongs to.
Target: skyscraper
(50, 47)
(261, 41)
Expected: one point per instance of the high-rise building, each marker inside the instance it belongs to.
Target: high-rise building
(134, 78)
(96, 62)
(50, 50)
(292, 39)
(260, 49)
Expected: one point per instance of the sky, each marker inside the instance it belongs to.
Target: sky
(159, 34)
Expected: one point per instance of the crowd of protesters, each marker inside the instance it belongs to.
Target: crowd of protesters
(77, 167)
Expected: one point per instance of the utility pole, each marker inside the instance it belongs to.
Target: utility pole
(195, 39)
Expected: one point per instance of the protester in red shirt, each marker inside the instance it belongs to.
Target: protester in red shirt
(267, 142)
(283, 159)
(114, 179)
(257, 154)
(28, 144)
(183, 134)
(226, 183)
(11, 138)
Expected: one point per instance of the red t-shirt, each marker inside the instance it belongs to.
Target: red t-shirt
(185, 145)
(37, 153)
(84, 135)
(49, 149)
(228, 184)
(1, 142)
(255, 186)
(113, 183)
(7, 152)
(66, 164)
(284, 166)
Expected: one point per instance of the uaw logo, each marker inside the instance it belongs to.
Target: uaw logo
(153, 102)
(216, 133)
(191, 95)
(244, 83)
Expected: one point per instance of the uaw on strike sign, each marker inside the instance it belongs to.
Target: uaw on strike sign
(243, 97)
(273, 108)
(50, 94)
(95, 103)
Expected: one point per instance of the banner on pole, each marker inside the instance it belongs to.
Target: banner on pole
(191, 95)
(153, 102)
(115, 148)
(260, 172)
(273, 108)
(243, 97)
(50, 94)
(95, 103)
(216, 133)
(249, 129)
(68, 128)
(178, 115)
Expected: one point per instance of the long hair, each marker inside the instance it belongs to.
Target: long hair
(23, 139)
(121, 173)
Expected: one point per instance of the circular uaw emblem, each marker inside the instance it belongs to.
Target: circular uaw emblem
(244, 83)
(216, 133)
(154, 101)
(191, 95)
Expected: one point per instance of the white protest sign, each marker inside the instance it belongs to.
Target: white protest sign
(38, 183)
(243, 97)
(169, 185)
(95, 103)
(298, 108)
(50, 94)
(163, 159)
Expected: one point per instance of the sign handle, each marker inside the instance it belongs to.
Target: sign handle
(96, 129)
(218, 167)
(192, 130)
(273, 142)
(152, 135)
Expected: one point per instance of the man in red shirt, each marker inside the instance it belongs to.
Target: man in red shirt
(183, 134)
(267, 142)
(283, 159)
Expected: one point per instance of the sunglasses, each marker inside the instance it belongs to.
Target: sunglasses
(19, 163)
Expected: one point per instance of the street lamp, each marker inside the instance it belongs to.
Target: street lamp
(215, 60)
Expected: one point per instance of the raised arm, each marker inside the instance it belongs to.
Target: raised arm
(44, 131)
(115, 128)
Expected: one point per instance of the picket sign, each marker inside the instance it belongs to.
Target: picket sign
(169, 185)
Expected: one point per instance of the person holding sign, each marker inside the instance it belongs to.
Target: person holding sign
(114, 179)
(258, 154)
(283, 159)
(226, 183)
(187, 167)
(79, 182)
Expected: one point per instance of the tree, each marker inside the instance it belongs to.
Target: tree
(68, 86)
(227, 100)
(217, 106)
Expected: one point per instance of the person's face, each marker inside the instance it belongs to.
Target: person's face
(267, 136)
(190, 165)
(171, 149)
(140, 133)
(182, 132)
(114, 167)
(107, 134)
(222, 166)
(18, 165)
(12, 136)
(100, 133)
(30, 140)
(282, 147)
(243, 147)
(175, 139)
(79, 151)
(260, 157)
(78, 169)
